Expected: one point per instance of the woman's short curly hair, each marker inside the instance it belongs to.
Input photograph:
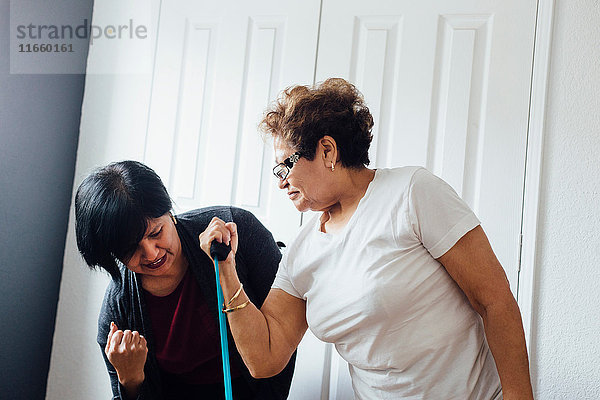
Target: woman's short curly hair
(302, 115)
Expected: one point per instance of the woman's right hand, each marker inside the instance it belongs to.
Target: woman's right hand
(127, 351)
(222, 232)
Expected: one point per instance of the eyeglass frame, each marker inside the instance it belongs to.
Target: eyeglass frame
(288, 164)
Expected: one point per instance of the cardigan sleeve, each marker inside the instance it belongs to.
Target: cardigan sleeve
(111, 312)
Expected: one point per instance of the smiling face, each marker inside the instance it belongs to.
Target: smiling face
(159, 251)
(309, 183)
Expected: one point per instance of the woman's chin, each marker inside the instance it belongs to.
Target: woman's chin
(301, 206)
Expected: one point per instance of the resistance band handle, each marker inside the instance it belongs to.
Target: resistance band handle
(219, 250)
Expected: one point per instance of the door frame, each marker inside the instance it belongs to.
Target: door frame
(533, 166)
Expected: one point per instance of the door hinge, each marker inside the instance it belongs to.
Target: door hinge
(520, 252)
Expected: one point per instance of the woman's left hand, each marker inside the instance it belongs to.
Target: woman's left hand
(222, 232)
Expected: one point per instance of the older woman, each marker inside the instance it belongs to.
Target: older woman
(396, 270)
(158, 324)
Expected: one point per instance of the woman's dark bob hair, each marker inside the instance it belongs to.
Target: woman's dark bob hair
(302, 115)
(112, 209)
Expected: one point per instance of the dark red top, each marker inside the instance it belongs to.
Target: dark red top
(186, 335)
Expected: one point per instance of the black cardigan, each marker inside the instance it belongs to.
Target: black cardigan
(257, 260)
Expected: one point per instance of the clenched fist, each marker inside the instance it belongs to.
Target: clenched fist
(222, 232)
(127, 351)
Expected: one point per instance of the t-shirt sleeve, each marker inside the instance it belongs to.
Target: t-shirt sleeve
(439, 217)
(282, 279)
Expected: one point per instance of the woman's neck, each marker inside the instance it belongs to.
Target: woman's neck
(353, 186)
(166, 284)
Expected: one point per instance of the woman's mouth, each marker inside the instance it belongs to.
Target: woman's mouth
(293, 195)
(158, 263)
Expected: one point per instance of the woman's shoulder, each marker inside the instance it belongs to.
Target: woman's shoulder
(399, 174)
(114, 288)
(191, 223)
(227, 213)
(205, 214)
(394, 183)
(116, 291)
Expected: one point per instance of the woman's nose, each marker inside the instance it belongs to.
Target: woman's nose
(149, 250)
(282, 183)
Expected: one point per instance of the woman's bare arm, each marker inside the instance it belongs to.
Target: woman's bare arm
(472, 264)
(265, 338)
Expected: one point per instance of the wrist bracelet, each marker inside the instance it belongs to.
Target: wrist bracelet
(232, 309)
(235, 296)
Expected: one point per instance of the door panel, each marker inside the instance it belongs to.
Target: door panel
(217, 67)
(448, 86)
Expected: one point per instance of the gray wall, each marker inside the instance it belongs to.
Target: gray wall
(39, 128)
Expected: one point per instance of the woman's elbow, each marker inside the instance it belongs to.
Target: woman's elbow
(265, 370)
(260, 374)
(501, 304)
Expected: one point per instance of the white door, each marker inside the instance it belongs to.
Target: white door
(448, 85)
(218, 65)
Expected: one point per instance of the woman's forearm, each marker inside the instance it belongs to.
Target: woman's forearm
(261, 343)
(132, 388)
(506, 339)
(265, 338)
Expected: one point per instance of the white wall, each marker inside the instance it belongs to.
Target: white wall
(566, 335)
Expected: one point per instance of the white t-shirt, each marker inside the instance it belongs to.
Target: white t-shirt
(376, 291)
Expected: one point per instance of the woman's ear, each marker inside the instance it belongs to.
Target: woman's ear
(329, 151)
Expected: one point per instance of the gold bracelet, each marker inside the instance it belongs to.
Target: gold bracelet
(235, 296)
(230, 310)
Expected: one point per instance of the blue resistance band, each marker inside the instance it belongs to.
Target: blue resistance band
(219, 251)
(223, 331)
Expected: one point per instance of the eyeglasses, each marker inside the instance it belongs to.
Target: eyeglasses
(282, 170)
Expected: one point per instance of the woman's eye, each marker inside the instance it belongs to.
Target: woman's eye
(156, 234)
